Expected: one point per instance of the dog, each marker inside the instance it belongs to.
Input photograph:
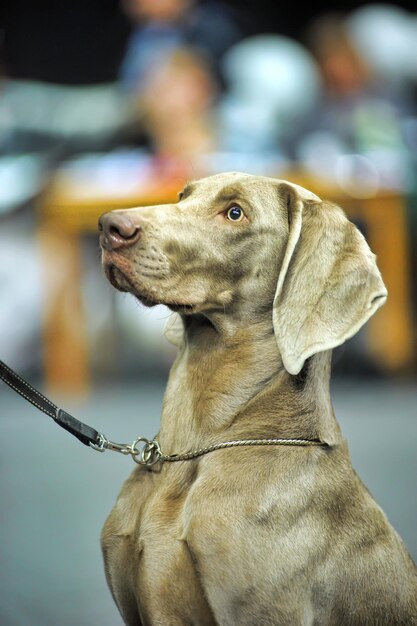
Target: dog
(264, 279)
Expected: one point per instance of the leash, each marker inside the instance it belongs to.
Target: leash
(142, 450)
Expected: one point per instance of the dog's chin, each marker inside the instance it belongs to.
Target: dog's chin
(120, 282)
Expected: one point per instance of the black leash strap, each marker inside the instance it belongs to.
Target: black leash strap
(86, 434)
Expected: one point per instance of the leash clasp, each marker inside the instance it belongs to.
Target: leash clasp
(143, 451)
(149, 454)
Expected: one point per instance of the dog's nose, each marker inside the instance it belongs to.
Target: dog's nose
(117, 230)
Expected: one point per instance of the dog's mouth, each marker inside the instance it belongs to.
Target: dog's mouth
(119, 280)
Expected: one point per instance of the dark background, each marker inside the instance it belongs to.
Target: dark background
(82, 41)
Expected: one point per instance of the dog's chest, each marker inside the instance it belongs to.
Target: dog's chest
(146, 531)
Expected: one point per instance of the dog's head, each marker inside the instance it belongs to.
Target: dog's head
(248, 246)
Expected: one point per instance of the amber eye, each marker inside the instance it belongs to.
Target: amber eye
(235, 213)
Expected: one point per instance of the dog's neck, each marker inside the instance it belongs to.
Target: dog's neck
(230, 382)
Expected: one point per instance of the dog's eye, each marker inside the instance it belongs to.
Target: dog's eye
(235, 213)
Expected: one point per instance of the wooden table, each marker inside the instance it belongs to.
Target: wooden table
(67, 213)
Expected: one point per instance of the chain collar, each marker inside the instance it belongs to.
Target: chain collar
(148, 452)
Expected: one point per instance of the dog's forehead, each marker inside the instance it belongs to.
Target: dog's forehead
(212, 185)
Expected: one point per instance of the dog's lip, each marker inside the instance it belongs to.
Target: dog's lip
(174, 306)
(114, 274)
(119, 280)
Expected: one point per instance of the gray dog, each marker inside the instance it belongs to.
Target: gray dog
(264, 279)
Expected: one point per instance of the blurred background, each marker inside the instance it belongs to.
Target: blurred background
(116, 103)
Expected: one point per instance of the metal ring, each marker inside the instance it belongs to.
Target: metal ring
(149, 454)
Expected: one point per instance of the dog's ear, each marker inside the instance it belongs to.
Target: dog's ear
(329, 284)
(174, 329)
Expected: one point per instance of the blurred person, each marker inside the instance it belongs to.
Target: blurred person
(177, 106)
(159, 26)
(358, 114)
(371, 27)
